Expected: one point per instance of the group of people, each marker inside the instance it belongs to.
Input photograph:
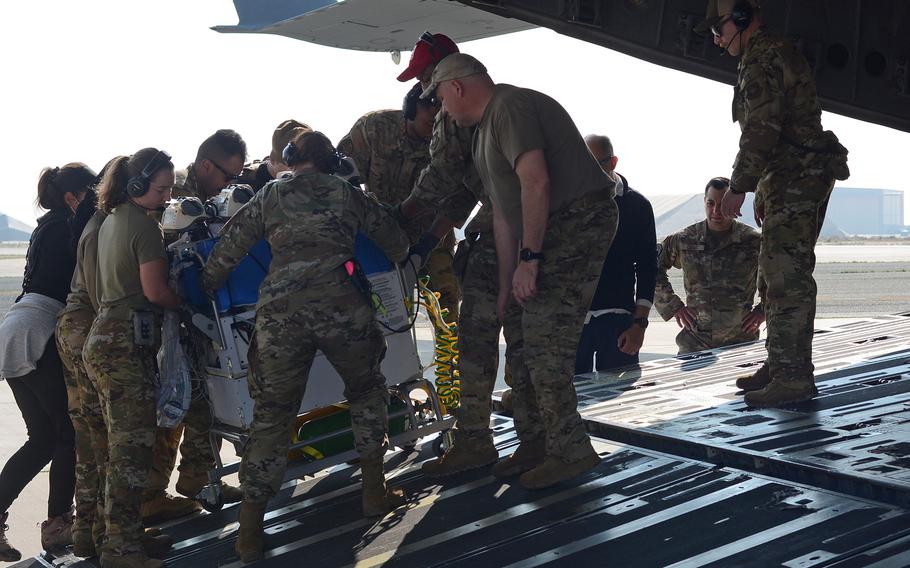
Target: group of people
(561, 258)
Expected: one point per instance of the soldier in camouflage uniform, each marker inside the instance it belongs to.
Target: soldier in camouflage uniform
(719, 260)
(85, 404)
(783, 147)
(219, 162)
(450, 187)
(525, 144)
(120, 350)
(308, 302)
(391, 148)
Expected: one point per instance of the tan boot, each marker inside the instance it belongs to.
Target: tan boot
(192, 486)
(553, 470)
(136, 560)
(526, 457)
(84, 544)
(756, 381)
(8, 552)
(782, 393)
(155, 544)
(164, 507)
(57, 533)
(466, 453)
(378, 497)
(505, 401)
(250, 537)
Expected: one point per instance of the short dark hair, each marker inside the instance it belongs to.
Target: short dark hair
(719, 182)
(603, 142)
(221, 146)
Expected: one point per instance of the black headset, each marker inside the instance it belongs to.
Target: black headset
(427, 38)
(409, 106)
(138, 186)
(742, 15)
(289, 157)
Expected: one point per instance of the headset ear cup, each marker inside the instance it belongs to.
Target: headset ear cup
(409, 106)
(741, 16)
(136, 187)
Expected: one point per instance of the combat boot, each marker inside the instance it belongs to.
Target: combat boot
(250, 536)
(526, 457)
(84, 544)
(505, 401)
(756, 381)
(155, 543)
(164, 507)
(466, 453)
(553, 470)
(782, 393)
(57, 533)
(192, 486)
(8, 552)
(378, 497)
(135, 560)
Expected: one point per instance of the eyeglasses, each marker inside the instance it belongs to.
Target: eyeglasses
(228, 176)
(716, 28)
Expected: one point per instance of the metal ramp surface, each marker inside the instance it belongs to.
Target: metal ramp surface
(854, 438)
(638, 508)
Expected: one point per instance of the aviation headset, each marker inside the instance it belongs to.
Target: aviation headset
(289, 157)
(137, 186)
(411, 100)
(742, 15)
(427, 38)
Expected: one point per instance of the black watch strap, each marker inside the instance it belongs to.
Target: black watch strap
(527, 255)
(642, 322)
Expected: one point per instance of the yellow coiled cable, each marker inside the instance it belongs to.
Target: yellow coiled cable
(445, 354)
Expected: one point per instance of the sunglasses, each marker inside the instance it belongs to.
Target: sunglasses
(227, 175)
(716, 28)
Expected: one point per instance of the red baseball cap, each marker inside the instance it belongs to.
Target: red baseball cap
(429, 49)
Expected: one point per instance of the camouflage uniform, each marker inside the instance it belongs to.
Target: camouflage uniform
(255, 174)
(196, 459)
(307, 302)
(85, 404)
(478, 338)
(720, 271)
(784, 148)
(450, 184)
(390, 161)
(576, 243)
(126, 373)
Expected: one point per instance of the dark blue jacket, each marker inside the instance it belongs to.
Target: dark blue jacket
(630, 269)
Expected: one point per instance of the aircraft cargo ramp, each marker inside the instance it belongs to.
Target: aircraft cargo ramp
(690, 477)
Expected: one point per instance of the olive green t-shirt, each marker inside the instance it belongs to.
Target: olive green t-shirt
(128, 237)
(83, 289)
(516, 121)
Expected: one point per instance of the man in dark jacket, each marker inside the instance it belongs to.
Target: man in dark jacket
(615, 326)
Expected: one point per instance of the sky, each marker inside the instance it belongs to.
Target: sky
(89, 80)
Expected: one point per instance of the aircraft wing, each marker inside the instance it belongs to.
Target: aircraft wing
(368, 25)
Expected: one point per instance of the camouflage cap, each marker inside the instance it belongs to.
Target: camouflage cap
(286, 131)
(717, 9)
(455, 66)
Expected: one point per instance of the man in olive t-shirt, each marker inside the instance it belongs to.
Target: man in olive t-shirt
(554, 219)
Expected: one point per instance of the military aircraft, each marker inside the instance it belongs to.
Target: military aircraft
(859, 51)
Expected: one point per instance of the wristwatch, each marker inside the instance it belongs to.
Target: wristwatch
(735, 191)
(527, 255)
(642, 322)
